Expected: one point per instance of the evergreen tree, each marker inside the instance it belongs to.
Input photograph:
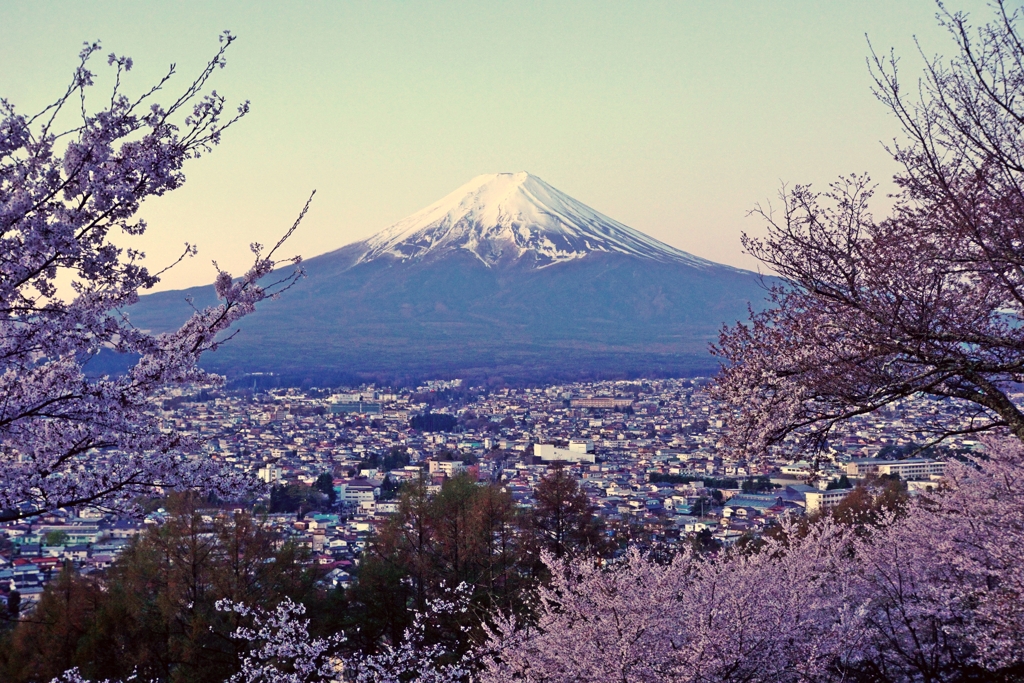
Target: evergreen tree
(563, 517)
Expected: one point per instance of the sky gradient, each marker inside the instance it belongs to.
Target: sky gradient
(674, 118)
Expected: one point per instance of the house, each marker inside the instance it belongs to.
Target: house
(124, 528)
(750, 504)
(75, 553)
(99, 562)
(338, 578)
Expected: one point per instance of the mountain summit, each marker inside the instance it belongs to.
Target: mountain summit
(502, 217)
(505, 278)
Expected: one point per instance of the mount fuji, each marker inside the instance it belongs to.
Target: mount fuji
(504, 278)
(503, 217)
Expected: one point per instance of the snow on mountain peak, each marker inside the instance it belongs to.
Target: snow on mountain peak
(500, 217)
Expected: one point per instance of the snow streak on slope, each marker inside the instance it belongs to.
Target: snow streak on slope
(501, 217)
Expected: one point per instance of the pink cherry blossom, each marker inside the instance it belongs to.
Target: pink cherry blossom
(66, 438)
(927, 301)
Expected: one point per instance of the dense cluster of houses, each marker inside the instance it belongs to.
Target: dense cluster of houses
(646, 452)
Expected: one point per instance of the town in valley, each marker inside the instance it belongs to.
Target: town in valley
(650, 454)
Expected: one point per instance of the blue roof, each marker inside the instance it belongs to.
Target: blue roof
(753, 501)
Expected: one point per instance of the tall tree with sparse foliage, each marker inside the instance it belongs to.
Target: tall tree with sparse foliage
(926, 301)
(563, 518)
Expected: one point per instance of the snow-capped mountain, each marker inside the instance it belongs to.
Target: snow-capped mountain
(504, 278)
(501, 217)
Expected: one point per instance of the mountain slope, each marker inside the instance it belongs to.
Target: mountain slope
(506, 276)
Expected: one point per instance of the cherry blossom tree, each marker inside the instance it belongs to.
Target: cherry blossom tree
(72, 179)
(415, 659)
(283, 650)
(784, 614)
(935, 594)
(595, 624)
(927, 301)
(943, 588)
(932, 594)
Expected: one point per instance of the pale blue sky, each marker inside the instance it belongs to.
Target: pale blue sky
(672, 117)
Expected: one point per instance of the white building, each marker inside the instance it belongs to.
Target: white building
(355, 492)
(824, 500)
(270, 474)
(549, 453)
(447, 467)
(801, 469)
(910, 468)
(581, 446)
(913, 468)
